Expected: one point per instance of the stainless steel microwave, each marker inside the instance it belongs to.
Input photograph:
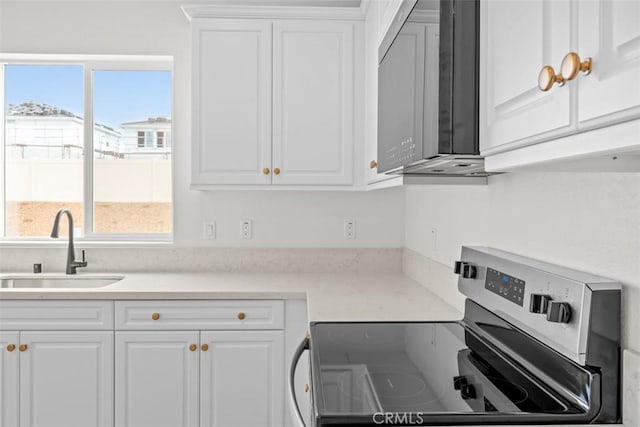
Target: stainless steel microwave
(428, 91)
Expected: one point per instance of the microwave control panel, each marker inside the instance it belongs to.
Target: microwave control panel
(508, 287)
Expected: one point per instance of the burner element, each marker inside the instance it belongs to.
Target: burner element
(398, 385)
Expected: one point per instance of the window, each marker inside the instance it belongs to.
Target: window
(105, 170)
(148, 140)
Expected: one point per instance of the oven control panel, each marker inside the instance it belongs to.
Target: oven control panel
(508, 287)
(549, 302)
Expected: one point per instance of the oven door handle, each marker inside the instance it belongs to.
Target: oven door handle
(293, 401)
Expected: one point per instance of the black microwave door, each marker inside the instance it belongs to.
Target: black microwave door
(459, 78)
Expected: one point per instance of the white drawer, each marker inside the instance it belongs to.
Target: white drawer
(199, 315)
(56, 315)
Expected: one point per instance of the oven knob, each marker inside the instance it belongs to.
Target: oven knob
(559, 312)
(468, 271)
(457, 268)
(460, 381)
(468, 391)
(539, 303)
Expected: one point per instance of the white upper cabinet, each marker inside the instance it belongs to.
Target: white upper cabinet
(231, 107)
(272, 102)
(313, 102)
(518, 38)
(610, 34)
(588, 108)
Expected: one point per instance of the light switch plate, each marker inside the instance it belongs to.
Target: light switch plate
(246, 229)
(209, 230)
(349, 229)
(631, 389)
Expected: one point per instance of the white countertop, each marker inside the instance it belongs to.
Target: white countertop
(330, 297)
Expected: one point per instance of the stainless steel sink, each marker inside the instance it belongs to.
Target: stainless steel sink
(56, 281)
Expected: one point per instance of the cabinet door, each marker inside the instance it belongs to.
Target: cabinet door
(156, 379)
(231, 108)
(242, 379)
(313, 102)
(517, 39)
(609, 33)
(9, 387)
(66, 379)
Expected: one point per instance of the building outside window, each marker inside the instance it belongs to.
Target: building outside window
(151, 136)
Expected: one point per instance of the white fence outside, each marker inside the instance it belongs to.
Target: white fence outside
(124, 180)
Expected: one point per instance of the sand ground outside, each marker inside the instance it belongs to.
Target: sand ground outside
(32, 219)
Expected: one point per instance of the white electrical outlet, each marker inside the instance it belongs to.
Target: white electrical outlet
(209, 230)
(246, 231)
(631, 388)
(349, 229)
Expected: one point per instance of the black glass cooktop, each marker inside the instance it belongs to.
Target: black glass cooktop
(437, 370)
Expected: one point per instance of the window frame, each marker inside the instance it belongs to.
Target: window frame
(159, 139)
(140, 138)
(90, 63)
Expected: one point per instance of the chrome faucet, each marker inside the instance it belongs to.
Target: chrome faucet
(72, 264)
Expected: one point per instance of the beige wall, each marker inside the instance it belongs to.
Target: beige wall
(587, 221)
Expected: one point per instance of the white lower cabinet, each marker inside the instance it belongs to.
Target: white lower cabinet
(66, 379)
(226, 370)
(157, 379)
(242, 379)
(56, 379)
(9, 378)
(56, 363)
(191, 378)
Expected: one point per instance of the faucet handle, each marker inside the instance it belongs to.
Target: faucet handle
(82, 263)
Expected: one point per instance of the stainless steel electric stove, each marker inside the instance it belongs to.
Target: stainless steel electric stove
(539, 344)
